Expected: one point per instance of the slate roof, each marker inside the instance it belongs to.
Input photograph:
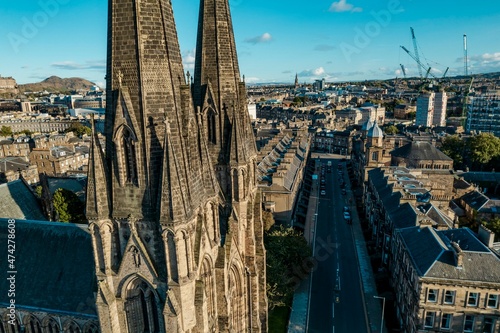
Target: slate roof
(418, 150)
(404, 217)
(18, 202)
(434, 257)
(424, 247)
(475, 199)
(55, 267)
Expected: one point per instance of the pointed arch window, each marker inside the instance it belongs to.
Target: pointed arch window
(33, 325)
(52, 326)
(211, 126)
(130, 161)
(72, 327)
(141, 309)
(91, 329)
(16, 328)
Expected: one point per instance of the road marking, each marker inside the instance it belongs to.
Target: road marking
(333, 327)
(333, 310)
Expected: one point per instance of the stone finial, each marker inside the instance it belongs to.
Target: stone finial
(188, 75)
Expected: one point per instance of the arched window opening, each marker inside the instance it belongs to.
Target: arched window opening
(91, 329)
(211, 127)
(72, 327)
(172, 257)
(130, 157)
(238, 317)
(52, 326)
(16, 328)
(141, 309)
(208, 282)
(33, 325)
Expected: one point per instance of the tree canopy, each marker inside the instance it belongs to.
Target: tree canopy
(391, 129)
(287, 253)
(484, 147)
(454, 147)
(6, 131)
(79, 129)
(476, 152)
(67, 206)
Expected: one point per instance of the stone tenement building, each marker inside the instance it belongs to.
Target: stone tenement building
(172, 204)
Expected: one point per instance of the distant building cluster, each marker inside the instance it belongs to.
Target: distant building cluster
(483, 113)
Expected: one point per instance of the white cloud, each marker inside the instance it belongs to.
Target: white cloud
(482, 63)
(312, 72)
(343, 6)
(188, 59)
(252, 79)
(264, 38)
(88, 65)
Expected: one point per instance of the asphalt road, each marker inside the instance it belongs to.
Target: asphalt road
(336, 303)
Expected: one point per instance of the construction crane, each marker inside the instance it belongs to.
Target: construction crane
(446, 72)
(415, 48)
(420, 65)
(466, 60)
(403, 69)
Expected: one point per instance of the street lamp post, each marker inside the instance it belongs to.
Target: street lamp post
(383, 309)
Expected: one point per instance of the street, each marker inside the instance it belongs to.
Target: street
(336, 303)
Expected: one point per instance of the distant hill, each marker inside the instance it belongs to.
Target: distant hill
(56, 84)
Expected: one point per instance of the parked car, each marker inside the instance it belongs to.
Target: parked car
(347, 217)
(323, 192)
(344, 191)
(346, 209)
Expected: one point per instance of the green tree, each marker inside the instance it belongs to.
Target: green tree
(38, 191)
(454, 147)
(412, 115)
(391, 129)
(67, 206)
(26, 132)
(494, 226)
(79, 129)
(483, 147)
(286, 256)
(6, 131)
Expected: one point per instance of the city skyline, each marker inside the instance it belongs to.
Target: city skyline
(345, 40)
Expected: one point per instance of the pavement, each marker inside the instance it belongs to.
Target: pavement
(298, 321)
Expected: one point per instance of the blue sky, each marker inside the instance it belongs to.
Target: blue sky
(344, 40)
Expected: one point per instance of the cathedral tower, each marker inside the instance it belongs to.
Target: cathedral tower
(171, 254)
(221, 100)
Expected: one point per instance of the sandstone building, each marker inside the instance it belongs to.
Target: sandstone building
(172, 204)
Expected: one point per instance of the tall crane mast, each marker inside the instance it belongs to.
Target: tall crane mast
(403, 69)
(466, 60)
(415, 48)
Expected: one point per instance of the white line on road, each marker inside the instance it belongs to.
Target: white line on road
(333, 310)
(333, 329)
